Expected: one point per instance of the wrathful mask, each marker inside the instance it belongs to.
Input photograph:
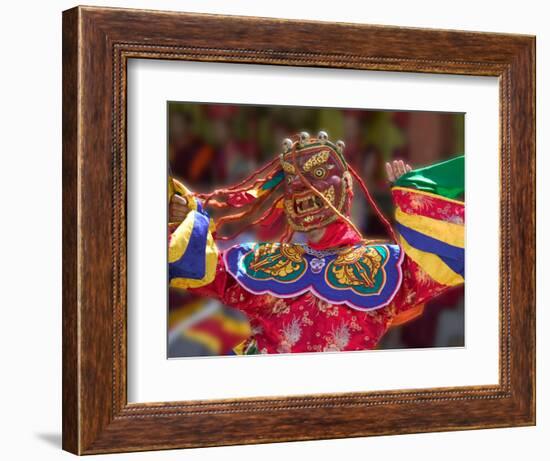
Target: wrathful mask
(314, 166)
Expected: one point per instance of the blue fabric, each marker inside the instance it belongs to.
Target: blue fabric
(192, 264)
(200, 209)
(451, 255)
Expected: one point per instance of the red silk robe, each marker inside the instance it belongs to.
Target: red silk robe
(306, 323)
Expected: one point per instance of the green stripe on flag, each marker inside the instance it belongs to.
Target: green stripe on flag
(444, 178)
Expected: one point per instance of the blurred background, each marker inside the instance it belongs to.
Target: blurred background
(215, 145)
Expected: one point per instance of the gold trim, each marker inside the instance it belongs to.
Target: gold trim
(316, 160)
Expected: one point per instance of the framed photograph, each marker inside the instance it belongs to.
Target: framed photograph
(282, 230)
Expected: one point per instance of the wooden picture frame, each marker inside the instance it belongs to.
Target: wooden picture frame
(97, 43)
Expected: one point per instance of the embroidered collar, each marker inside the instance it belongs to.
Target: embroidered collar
(361, 276)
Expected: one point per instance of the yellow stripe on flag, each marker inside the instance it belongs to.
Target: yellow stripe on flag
(448, 232)
(432, 265)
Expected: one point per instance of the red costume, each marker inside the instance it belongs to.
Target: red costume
(341, 292)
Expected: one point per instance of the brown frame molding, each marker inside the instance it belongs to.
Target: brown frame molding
(97, 43)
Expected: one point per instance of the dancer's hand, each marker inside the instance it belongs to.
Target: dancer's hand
(396, 169)
(178, 208)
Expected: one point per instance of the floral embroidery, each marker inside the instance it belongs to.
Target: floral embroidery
(430, 206)
(257, 329)
(280, 307)
(330, 310)
(292, 331)
(375, 316)
(270, 299)
(455, 219)
(306, 320)
(340, 337)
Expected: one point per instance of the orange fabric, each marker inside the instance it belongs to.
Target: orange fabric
(200, 162)
(407, 315)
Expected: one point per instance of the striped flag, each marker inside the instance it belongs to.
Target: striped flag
(429, 217)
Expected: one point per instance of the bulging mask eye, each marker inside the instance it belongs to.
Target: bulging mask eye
(319, 172)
